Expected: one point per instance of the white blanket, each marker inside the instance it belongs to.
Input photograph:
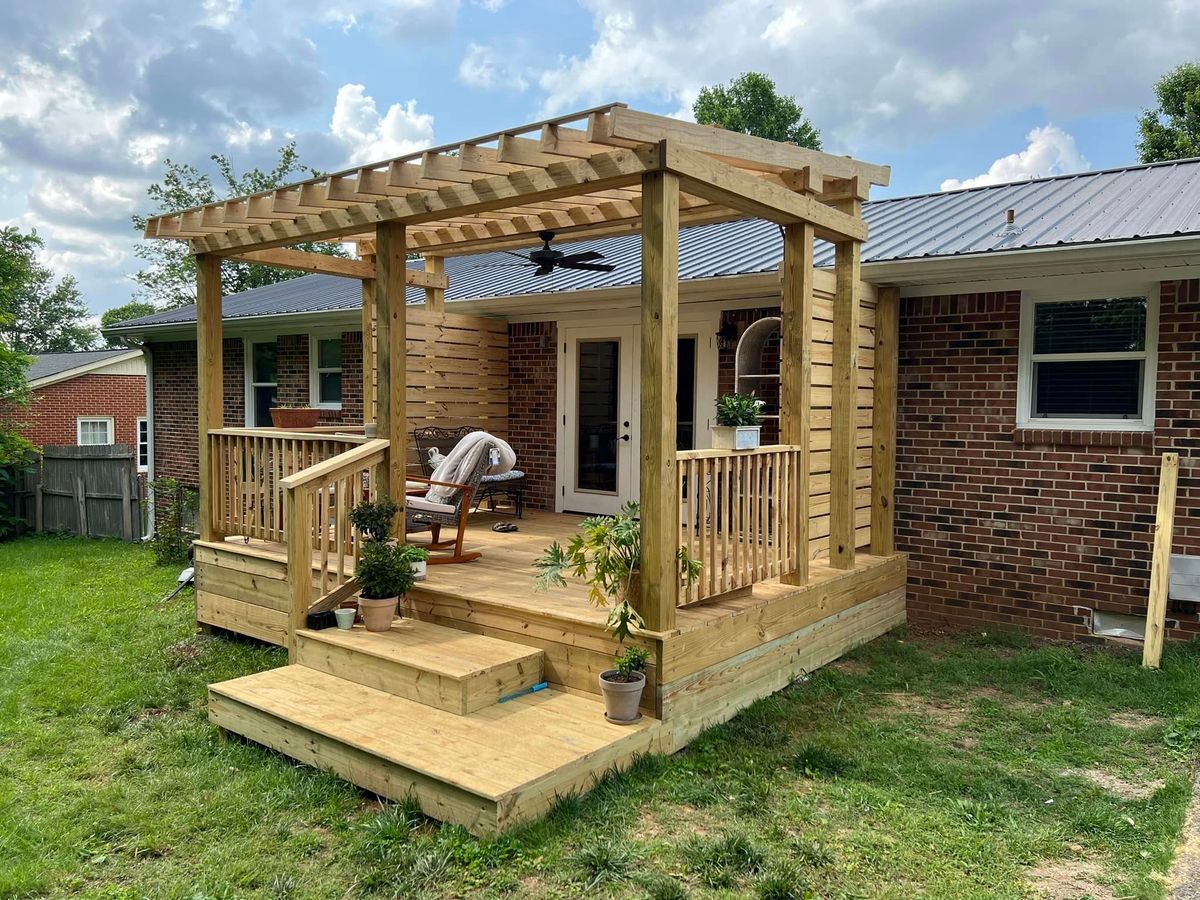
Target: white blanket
(457, 465)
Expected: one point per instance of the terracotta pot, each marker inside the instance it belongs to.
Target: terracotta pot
(377, 615)
(290, 417)
(622, 698)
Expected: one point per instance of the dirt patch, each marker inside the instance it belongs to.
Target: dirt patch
(1115, 784)
(1069, 879)
(185, 652)
(1136, 721)
(1184, 878)
(941, 713)
(851, 666)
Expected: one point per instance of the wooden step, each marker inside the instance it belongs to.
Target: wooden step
(438, 666)
(487, 770)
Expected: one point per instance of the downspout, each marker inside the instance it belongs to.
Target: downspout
(149, 438)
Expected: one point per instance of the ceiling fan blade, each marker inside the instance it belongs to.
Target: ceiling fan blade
(586, 267)
(544, 270)
(523, 265)
(517, 255)
(588, 256)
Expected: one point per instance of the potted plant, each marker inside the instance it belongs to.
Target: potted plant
(418, 557)
(373, 518)
(384, 575)
(291, 417)
(607, 553)
(737, 425)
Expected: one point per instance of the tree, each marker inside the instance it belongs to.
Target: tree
(1172, 131)
(751, 104)
(38, 315)
(169, 277)
(14, 397)
(134, 309)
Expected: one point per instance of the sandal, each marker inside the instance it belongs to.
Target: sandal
(504, 527)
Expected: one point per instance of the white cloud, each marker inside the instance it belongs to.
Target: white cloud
(785, 28)
(490, 5)
(481, 68)
(367, 136)
(1050, 151)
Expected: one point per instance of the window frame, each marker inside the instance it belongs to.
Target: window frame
(1026, 360)
(314, 372)
(141, 445)
(109, 421)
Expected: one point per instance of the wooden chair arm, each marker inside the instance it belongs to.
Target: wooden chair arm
(430, 481)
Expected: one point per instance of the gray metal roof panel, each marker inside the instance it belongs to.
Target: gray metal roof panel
(47, 364)
(1136, 202)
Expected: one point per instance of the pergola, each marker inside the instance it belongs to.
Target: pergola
(604, 171)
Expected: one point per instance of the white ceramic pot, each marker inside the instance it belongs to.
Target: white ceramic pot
(345, 617)
(419, 569)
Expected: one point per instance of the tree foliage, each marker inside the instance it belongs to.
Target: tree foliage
(750, 104)
(38, 314)
(134, 309)
(1172, 130)
(168, 279)
(14, 399)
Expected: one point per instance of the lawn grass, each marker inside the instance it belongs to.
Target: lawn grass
(943, 767)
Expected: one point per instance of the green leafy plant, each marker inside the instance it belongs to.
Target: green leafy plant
(607, 554)
(738, 410)
(385, 571)
(374, 518)
(174, 507)
(630, 663)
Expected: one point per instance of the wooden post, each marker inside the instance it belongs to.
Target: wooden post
(660, 350)
(846, 313)
(368, 345)
(81, 505)
(883, 422)
(210, 406)
(795, 369)
(127, 507)
(435, 298)
(390, 351)
(297, 512)
(1160, 565)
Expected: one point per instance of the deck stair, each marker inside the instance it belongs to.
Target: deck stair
(416, 711)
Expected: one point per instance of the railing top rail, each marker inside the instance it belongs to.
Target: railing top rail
(356, 457)
(339, 436)
(758, 451)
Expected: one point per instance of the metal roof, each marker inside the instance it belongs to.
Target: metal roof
(46, 365)
(1144, 202)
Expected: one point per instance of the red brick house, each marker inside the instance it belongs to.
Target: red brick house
(1048, 356)
(89, 397)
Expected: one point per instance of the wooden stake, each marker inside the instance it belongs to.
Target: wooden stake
(390, 351)
(210, 383)
(660, 339)
(795, 388)
(883, 422)
(1160, 565)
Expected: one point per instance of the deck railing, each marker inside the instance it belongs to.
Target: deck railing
(740, 516)
(249, 466)
(317, 503)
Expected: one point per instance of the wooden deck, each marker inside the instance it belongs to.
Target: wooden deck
(417, 710)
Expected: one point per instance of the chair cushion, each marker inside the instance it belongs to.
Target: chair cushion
(510, 475)
(420, 504)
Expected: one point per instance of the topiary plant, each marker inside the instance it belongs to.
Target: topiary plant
(738, 410)
(384, 571)
(374, 518)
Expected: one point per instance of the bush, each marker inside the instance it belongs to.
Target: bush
(385, 571)
(172, 504)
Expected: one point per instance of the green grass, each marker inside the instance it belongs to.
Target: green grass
(942, 767)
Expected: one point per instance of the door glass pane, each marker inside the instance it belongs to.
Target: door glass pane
(264, 363)
(685, 396)
(599, 385)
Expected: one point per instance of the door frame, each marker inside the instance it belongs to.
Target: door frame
(699, 320)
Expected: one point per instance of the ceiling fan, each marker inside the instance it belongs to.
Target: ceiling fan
(547, 260)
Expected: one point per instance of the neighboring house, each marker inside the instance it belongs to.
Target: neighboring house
(1048, 356)
(89, 397)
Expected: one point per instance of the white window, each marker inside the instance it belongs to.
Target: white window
(93, 430)
(143, 444)
(325, 354)
(1088, 363)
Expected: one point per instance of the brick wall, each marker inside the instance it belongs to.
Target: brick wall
(1032, 529)
(51, 416)
(174, 368)
(532, 406)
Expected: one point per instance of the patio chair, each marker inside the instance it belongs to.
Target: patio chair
(510, 484)
(423, 514)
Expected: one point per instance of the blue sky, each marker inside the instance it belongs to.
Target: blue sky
(93, 96)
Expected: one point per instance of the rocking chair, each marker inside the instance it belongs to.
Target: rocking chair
(423, 514)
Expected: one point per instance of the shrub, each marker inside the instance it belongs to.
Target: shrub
(385, 571)
(172, 504)
(374, 519)
(629, 663)
(738, 410)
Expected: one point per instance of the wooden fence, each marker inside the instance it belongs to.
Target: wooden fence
(90, 491)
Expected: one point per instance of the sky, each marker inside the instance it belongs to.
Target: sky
(949, 93)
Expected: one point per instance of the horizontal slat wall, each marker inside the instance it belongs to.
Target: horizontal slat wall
(457, 373)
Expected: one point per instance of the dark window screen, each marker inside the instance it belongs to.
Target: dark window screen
(1098, 389)
(1115, 325)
